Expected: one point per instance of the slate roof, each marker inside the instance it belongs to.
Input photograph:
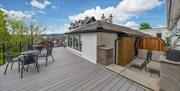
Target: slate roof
(102, 26)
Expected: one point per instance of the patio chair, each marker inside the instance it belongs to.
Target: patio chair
(140, 59)
(11, 60)
(29, 47)
(27, 60)
(47, 54)
(40, 49)
(153, 63)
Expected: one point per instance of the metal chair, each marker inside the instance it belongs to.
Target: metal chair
(47, 54)
(40, 49)
(11, 60)
(29, 47)
(27, 60)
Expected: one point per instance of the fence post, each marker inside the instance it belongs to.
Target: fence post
(20, 49)
(3, 53)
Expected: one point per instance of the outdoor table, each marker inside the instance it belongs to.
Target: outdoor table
(29, 52)
(37, 45)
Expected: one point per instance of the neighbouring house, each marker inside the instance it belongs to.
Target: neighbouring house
(56, 39)
(156, 32)
(81, 22)
(99, 40)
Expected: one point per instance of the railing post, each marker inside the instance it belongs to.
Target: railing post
(3, 53)
(20, 49)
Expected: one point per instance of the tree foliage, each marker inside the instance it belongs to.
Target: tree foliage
(14, 31)
(145, 26)
(3, 28)
(18, 30)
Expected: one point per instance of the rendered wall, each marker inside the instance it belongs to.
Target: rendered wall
(89, 46)
(107, 39)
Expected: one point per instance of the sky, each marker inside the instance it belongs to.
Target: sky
(58, 14)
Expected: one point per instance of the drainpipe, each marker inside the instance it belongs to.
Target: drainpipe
(115, 48)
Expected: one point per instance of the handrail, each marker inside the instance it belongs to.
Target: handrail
(4, 46)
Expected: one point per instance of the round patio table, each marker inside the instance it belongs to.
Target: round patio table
(29, 52)
(37, 45)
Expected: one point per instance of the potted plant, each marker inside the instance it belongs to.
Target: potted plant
(172, 53)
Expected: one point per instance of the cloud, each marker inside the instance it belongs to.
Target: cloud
(62, 29)
(46, 3)
(18, 15)
(40, 12)
(132, 24)
(48, 32)
(124, 11)
(161, 26)
(54, 7)
(40, 5)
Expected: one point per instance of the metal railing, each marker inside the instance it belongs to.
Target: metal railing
(14, 48)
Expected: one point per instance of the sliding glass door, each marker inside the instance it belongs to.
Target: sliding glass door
(74, 42)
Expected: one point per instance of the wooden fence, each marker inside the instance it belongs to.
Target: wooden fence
(151, 43)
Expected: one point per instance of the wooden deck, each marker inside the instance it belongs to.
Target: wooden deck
(69, 72)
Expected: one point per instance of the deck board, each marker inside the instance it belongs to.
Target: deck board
(69, 72)
(110, 85)
(118, 85)
(132, 88)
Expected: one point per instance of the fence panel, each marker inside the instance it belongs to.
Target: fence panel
(151, 43)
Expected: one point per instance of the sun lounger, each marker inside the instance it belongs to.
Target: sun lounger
(140, 59)
(153, 62)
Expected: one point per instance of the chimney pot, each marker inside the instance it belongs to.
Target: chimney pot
(110, 18)
(103, 17)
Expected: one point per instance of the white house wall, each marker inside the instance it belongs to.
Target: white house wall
(154, 32)
(89, 46)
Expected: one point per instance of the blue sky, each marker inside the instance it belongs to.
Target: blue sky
(57, 14)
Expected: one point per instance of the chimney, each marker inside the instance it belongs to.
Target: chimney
(110, 18)
(76, 21)
(103, 17)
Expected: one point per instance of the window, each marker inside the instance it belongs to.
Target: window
(74, 42)
(70, 41)
(159, 35)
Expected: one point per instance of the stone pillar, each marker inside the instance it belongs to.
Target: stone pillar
(169, 75)
(105, 55)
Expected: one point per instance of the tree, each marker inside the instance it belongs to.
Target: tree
(3, 28)
(145, 26)
(37, 29)
(17, 30)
